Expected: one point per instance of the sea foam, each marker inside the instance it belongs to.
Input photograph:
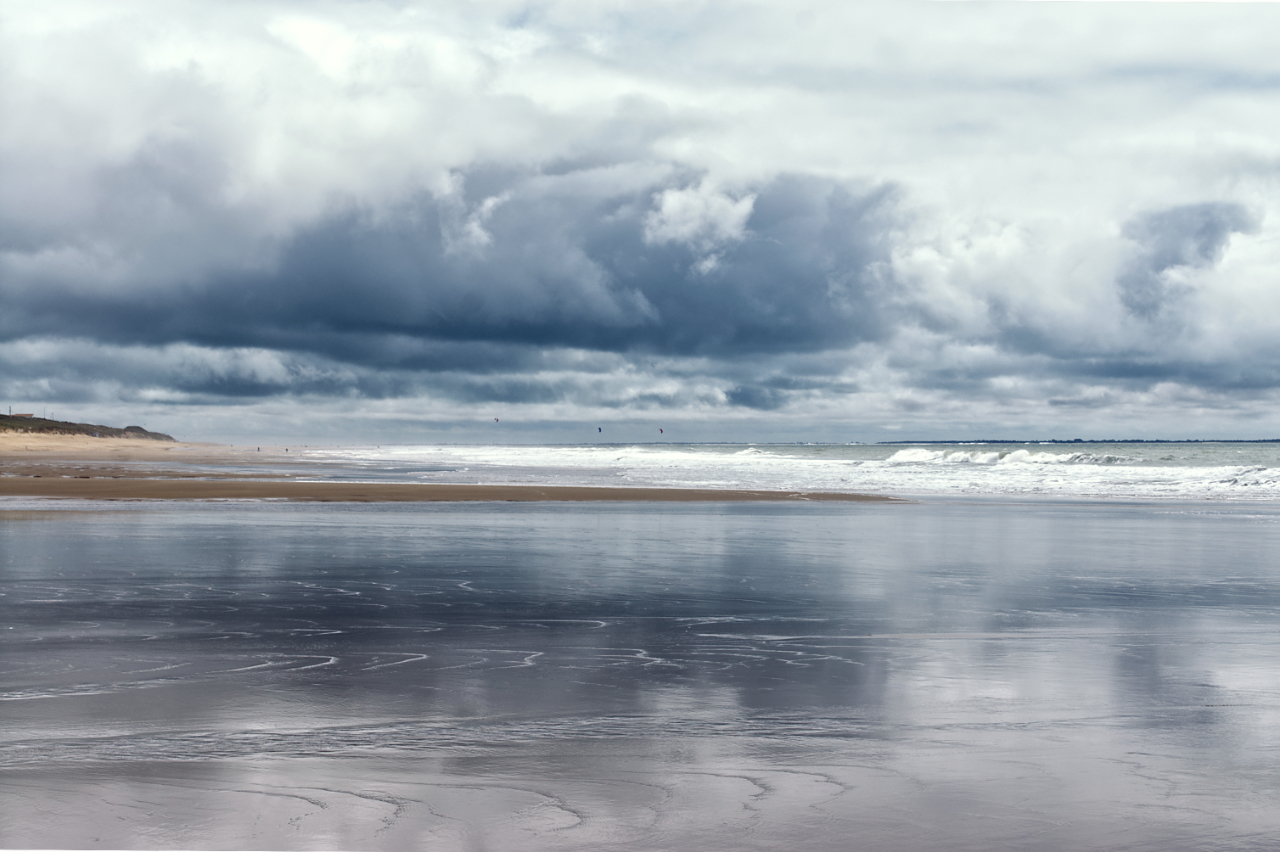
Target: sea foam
(1121, 471)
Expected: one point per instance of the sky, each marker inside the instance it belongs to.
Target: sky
(375, 222)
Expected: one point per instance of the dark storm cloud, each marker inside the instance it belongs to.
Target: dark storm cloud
(557, 264)
(757, 397)
(772, 392)
(542, 261)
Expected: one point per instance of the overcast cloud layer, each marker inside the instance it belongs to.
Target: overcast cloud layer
(399, 221)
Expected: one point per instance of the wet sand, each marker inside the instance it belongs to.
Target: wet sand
(74, 467)
(634, 677)
(88, 487)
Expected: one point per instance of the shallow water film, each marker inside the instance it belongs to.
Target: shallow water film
(642, 677)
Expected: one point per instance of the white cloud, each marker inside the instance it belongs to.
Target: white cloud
(702, 217)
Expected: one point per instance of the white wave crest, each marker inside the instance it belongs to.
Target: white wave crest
(1028, 457)
(916, 455)
(919, 455)
(1192, 470)
(1256, 476)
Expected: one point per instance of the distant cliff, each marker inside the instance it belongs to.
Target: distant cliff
(40, 426)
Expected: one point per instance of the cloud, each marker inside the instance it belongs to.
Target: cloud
(1187, 237)
(700, 217)
(965, 215)
(566, 261)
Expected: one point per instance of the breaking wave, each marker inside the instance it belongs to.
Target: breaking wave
(1192, 470)
(919, 455)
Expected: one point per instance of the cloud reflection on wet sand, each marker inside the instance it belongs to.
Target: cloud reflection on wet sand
(955, 676)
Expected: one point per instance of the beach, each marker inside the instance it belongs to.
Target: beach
(327, 668)
(75, 467)
(638, 676)
(728, 427)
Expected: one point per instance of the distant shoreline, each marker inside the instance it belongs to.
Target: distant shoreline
(1070, 441)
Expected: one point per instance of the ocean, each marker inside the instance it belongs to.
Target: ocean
(1123, 470)
(1066, 653)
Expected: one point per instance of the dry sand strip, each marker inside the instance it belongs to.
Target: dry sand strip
(21, 447)
(379, 492)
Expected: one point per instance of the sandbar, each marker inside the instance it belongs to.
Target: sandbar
(85, 468)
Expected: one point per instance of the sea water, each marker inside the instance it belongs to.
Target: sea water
(1144, 470)
(941, 674)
